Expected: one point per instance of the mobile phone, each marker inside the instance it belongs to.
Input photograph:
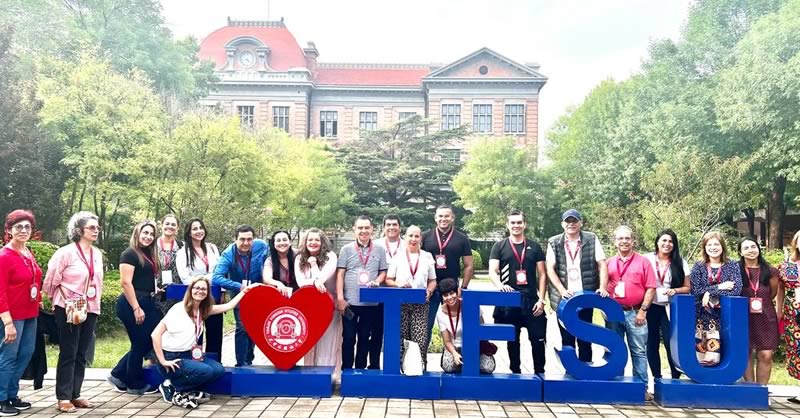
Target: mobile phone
(348, 313)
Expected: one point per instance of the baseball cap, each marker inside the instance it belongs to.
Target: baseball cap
(571, 213)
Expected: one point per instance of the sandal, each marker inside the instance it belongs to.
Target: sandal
(82, 403)
(66, 406)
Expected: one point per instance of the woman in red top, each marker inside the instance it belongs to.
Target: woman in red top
(20, 282)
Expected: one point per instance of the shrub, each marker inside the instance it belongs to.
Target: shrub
(108, 323)
(477, 261)
(42, 251)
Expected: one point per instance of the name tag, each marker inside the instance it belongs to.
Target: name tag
(661, 295)
(197, 353)
(91, 292)
(573, 274)
(34, 292)
(619, 290)
(756, 305)
(363, 278)
(522, 277)
(245, 282)
(166, 277)
(441, 261)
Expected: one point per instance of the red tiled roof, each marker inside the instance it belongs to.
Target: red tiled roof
(285, 52)
(347, 76)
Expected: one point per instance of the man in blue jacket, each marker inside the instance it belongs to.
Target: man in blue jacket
(239, 265)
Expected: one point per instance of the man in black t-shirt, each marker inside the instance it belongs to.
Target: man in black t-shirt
(449, 247)
(517, 264)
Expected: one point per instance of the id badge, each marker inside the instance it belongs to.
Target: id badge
(441, 261)
(573, 274)
(166, 277)
(756, 305)
(91, 292)
(363, 278)
(619, 290)
(522, 277)
(245, 282)
(661, 295)
(197, 353)
(34, 292)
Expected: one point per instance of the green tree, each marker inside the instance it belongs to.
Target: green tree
(758, 98)
(30, 172)
(498, 178)
(104, 121)
(402, 169)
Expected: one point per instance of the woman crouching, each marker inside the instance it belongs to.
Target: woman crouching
(175, 342)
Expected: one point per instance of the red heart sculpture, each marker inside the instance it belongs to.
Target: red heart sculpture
(285, 329)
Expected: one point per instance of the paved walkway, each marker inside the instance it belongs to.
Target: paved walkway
(112, 404)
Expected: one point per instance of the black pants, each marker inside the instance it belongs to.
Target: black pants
(537, 330)
(658, 325)
(214, 334)
(73, 345)
(568, 340)
(129, 367)
(367, 326)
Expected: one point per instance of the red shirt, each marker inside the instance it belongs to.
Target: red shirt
(17, 275)
(639, 276)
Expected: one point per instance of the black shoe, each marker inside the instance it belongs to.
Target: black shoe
(167, 391)
(794, 400)
(184, 400)
(6, 410)
(20, 404)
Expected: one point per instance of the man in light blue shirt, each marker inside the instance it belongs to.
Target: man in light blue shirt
(239, 265)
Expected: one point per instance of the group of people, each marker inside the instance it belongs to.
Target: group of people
(179, 335)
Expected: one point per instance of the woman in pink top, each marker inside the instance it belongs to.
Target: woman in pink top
(20, 282)
(316, 265)
(75, 272)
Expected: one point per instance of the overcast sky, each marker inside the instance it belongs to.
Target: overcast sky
(577, 43)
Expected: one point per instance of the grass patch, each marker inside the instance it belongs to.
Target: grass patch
(108, 350)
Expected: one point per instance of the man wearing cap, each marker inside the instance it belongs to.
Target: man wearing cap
(575, 261)
(632, 283)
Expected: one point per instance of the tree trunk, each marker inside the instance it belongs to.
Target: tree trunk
(776, 213)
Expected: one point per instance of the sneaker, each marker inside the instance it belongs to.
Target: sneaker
(200, 396)
(6, 410)
(20, 404)
(117, 384)
(184, 400)
(167, 391)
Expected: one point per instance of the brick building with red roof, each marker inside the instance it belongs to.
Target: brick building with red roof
(269, 80)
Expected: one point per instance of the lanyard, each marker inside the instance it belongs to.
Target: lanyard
(245, 271)
(364, 260)
(711, 277)
(450, 317)
(661, 275)
(442, 246)
(572, 256)
(89, 264)
(167, 254)
(29, 263)
(281, 275)
(150, 260)
(624, 269)
(520, 258)
(416, 266)
(198, 327)
(750, 280)
(389, 249)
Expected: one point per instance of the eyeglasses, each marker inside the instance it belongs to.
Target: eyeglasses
(93, 228)
(23, 227)
(200, 289)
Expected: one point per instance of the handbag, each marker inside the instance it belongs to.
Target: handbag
(488, 348)
(77, 310)
(412, 359)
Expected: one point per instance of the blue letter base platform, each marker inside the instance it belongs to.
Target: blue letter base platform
(688, 394)
(566, 389)
(301, 381)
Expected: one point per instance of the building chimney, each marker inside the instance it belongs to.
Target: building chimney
(311, 54)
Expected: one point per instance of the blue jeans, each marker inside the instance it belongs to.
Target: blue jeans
(637, 342)
(243, 345)
(435, 301)
(192, 373)
(658, 326)
(15, 356)
(129, 368)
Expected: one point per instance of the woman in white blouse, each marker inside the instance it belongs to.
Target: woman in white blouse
(198, 258)
(414, 269)
(315, 264)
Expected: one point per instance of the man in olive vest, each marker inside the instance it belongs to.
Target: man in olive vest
(575, 261)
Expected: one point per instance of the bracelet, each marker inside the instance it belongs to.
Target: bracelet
(8, 323)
